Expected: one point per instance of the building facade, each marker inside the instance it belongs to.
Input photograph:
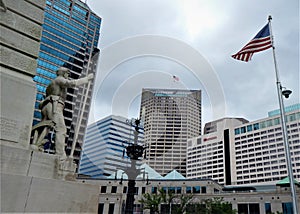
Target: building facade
(253, 199)
(104, 149)
(170, 118)
(210, 155)
(69, 39)
(246, 152)
(260, 151)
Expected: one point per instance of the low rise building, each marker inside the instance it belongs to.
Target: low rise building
(248, 199)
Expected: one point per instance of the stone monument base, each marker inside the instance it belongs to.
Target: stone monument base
(32, 181)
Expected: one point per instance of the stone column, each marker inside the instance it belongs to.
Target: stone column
(20, 36)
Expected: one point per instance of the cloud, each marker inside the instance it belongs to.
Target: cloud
(249, 88)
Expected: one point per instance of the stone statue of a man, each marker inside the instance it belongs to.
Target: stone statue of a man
(52, 106)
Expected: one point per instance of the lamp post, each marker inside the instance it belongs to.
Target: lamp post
(135, 153)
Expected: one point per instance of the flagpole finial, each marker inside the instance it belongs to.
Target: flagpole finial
(270, 18)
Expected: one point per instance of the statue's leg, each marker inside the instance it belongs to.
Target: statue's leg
(60, 131)
(40, 141)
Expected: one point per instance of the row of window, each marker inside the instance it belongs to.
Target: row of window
(265, 124)
(69, 32)
(42, 81)
(154, 190)
(63, 35)
(65, 24)
(62, 56)
(243, 208)
(62, 48)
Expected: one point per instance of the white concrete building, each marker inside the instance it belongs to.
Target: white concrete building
(260, 152)
(234, 151)
(209, 155)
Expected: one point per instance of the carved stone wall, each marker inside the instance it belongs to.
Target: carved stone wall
(21, 30)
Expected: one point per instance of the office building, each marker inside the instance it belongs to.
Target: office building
(210, 155)
(243, 152)
(260, 150)
(104, 148)
(170, 118)
(69, 38)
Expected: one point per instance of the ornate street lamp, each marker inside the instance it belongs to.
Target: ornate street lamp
(134, 152)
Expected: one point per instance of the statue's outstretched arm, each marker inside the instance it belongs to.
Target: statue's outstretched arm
(81, 81)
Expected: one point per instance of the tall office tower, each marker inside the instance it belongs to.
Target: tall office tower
(246, 152)
(69, 38)
(104, 147)
(210, 155)
(170, 118)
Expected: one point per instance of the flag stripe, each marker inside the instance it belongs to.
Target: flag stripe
(256, 45)
(260, 42)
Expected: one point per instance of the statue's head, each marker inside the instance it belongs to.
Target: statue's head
(62, 71)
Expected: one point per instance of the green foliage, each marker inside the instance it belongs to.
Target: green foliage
(213, 206)
(151, 201)
(184, 204)
(184, 201)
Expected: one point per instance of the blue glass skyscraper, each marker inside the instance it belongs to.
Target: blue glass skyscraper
(69, 38)
(104, 149)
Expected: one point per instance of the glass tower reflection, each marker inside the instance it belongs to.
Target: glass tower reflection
(69, 38)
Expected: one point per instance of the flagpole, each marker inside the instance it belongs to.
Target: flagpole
(84, 102)
(283, 125)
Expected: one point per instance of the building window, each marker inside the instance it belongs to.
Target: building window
(287, 208)
(243, 130)
(171, 190)
(125, 190)
(111, 208)
(136, 191)
(188, 189)
(249, 128)
(248, 208)
(103, 189)
(268, 208)
(196, 189)
(100, 208)
(113, 189)
(154, 190)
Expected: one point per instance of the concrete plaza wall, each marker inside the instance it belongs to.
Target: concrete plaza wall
(32, 194)
(32, 181)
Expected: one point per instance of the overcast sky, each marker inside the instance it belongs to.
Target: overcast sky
(144, 43)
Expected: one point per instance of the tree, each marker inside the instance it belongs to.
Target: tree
(183, 204)
(214, 206)
(151, 201)
(167, 198)
(184, 201)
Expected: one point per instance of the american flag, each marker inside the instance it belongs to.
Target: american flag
(260, 42)
(175, 78)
